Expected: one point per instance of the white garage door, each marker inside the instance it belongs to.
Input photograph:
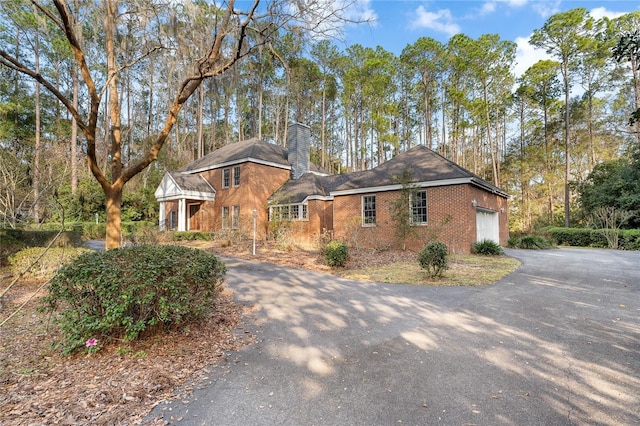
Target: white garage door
(487, 226)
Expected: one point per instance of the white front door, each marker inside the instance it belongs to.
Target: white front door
(487, 226)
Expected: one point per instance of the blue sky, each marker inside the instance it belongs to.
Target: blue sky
(397, 23)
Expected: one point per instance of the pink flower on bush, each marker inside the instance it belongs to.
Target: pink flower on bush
(92, 342)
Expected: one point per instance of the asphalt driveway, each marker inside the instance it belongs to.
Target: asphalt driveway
(556, 342)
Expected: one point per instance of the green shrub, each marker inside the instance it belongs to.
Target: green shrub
(578, 237)
(94, 231)
(142, 233)
(47, 265)
(191, 236)
(530, 242)
(487, 248)
(629, 239)
(42, 238)
(434, 258)
(336, 253)
(132, 292)
(9, 245)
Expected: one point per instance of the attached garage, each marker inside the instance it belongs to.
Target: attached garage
(487, 225)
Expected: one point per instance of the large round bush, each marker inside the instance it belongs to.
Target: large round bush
(129, 292)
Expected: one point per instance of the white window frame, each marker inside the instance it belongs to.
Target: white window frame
(413, 209)
(236, 176)
(372, 212)
(283, 212)
(225, 217)
(235, 217)
(226, 178)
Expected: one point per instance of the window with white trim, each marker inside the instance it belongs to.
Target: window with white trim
(419, 208)
(288, 212)
(226, 177)
(368, 210)
(225, 217)
(235, 217)
(236, 176)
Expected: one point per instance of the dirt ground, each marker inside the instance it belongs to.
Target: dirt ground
(120, 384)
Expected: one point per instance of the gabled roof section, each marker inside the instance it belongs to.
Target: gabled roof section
(427, 168)
(309, 186)
(176, 185)
(253, 150)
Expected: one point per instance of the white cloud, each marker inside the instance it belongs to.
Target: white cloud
(361, 11)
(490, 6)
(440, 21)
(601, 12)
(527, 55)
(546, 8)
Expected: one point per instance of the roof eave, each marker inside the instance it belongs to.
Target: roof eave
(238, 161)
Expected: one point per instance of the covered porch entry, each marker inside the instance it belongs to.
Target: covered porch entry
(181, 197)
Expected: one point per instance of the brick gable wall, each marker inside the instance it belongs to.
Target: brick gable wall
(451, 219)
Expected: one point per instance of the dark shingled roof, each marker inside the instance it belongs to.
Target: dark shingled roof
(189, 182)
(424, 164)
(309, 184)
(250, 148)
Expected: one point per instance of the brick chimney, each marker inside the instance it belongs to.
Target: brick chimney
(298, 145)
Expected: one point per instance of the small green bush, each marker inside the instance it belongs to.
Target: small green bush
(131, 292)
(487, 248)
(434, 258)
(336, 253)
(47, 265)
(530, 242)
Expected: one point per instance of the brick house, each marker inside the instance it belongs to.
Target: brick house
(223, 189)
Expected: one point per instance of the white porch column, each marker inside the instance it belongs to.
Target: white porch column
(182, 214)
(162, 220)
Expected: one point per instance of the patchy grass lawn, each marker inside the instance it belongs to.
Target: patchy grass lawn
(463, 270)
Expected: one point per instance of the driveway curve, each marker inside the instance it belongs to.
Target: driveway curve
(556, 342)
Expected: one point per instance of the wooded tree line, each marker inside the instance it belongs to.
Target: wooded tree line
(538, 135)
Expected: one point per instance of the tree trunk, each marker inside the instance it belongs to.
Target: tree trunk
(200, 136)
(114, 204)
(567, 151)
(37, 216)
(113, 193)
(74, 133)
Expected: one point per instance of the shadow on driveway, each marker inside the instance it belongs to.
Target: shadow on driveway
(556, 342)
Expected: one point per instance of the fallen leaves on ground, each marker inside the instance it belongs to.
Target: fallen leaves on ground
(117, 384)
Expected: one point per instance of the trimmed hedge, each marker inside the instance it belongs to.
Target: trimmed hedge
(629, 239)
(97, 231)
(48, 264)
(37, 238)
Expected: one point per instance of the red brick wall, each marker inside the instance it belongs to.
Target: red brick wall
(450, 215)
(257, 183)
(320, 218)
